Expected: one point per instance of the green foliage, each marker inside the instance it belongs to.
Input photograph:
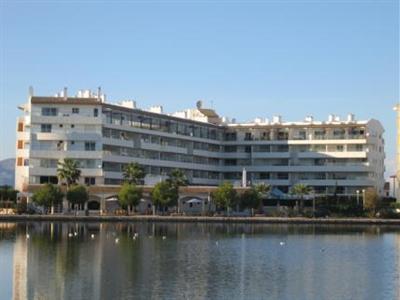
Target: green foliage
(165, 194)
(301, 190)
(134, 173)
(68, 171)
(48, 195)
(178, 178)
(77, 194)
(371, 200)
(262, 189)
(225, 196)
(250, 199)
(129, 195)
(7, 193)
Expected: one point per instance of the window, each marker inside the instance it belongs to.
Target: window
(45, 128)
(95, 112)
(61, 125)
(90, 180)
(26, 162)
(20, 144)
(90, 146)
(72, 126)
(49, 111)
(20, 126)
(75, 110)
(19, 161)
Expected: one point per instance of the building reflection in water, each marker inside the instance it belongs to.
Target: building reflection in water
(202, 261)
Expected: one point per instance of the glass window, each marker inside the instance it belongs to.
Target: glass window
(49, 111)
(95, 112)
(75, 110)
(45, 127)
(90, 146)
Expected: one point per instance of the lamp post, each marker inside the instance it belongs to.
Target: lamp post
(363, 198)
(358, 197)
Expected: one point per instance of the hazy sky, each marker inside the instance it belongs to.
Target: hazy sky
(247, 58)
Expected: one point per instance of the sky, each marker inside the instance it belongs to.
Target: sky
(246, 59)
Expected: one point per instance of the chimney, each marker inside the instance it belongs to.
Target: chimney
(350, 118)
(99, 94)
(277, 119)
(65, 93)
(30, 92)
(309, 119)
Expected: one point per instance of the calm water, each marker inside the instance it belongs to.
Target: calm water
(197, 261)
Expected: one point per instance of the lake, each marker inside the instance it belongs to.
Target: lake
(50, 260)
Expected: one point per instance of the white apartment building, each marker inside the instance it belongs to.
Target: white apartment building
(334, 156)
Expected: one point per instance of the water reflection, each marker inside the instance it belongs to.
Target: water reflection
(201, 261)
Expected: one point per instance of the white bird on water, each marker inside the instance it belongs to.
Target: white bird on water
(282, 243)
(75, 233)
(117, 240)
(27, 236)
(70, 234)
(92, 236)
(216, 243)
(164, 237)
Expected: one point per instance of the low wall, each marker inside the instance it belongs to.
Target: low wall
(266, 220)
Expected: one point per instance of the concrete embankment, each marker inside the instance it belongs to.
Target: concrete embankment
(200, 219)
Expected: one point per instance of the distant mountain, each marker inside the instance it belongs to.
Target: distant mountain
(7, 173)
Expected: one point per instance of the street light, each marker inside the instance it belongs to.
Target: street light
(358, 197)
(363, 198)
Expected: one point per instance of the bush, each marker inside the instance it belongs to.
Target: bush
(22, 208)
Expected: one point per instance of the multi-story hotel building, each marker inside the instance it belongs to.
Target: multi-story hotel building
(334, 157)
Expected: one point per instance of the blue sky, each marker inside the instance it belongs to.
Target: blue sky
(248, 58)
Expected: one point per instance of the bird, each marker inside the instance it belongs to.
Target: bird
(75, 233)
(70, 234)
(116, 240)
(27, 236)
(282, 243)
(164, 237)
(92, 236)
(216, 243)
(134, 237)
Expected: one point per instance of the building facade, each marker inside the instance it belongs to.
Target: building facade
(334, 157)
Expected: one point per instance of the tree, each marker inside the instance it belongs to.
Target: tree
(301, 190)
(7, 193)
(129, 196)
(178, 178)
(164, 194)
(134, 173)
(47, 196)
(371, 200)
(250, 199)
(77, 195)
(262, 189)
(225, 196)
(68, 171)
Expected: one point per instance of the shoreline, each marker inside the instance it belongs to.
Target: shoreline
(200, 219)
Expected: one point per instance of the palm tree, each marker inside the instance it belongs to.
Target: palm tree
(68, 171)
(134, 173)
(262, 191)
(178, 178)
(301, 190)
